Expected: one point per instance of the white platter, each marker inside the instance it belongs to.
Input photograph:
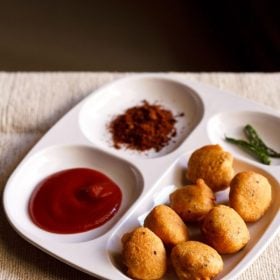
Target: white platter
(80, 139)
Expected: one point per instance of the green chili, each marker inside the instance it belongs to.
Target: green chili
(252, 149)
(255, 140)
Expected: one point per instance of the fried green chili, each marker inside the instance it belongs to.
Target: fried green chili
(255, 145)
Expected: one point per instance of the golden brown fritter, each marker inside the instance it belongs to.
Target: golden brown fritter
(193, 202)
(167, 225)
(144, 254)
(213, 165)
(195, 260)
(225, 230)
(250, 195)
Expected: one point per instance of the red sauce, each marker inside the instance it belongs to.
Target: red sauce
(74, 200)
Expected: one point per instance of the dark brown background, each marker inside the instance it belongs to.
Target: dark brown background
(127, 35)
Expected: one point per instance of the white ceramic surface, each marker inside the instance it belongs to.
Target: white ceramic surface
(80, 139)
(101, 108)
(231, 124)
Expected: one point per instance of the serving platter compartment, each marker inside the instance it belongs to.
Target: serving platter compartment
(81, 139)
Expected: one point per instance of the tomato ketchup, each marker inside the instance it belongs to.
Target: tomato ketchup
(74, 200)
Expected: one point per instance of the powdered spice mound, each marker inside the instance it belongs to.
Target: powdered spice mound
(144, 127)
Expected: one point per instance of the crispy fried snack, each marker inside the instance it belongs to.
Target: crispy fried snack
(213, 165)
(195, 260)
(167, 225)
(250, 195)
(144, 254)
(225, 230)
(193, 202)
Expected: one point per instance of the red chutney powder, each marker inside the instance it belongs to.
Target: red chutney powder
(144, 127)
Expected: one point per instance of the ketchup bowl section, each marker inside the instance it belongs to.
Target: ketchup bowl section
(94, 178)
(108, 102)
(260, 231)
(232, 124)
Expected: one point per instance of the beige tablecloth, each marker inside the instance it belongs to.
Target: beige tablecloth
(30, 103)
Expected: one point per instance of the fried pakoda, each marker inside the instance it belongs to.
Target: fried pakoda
(195, 260)
(225, 230)
(167, 225)
(193, 202)
(144, 254)
(213, 165)
(250, 195)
